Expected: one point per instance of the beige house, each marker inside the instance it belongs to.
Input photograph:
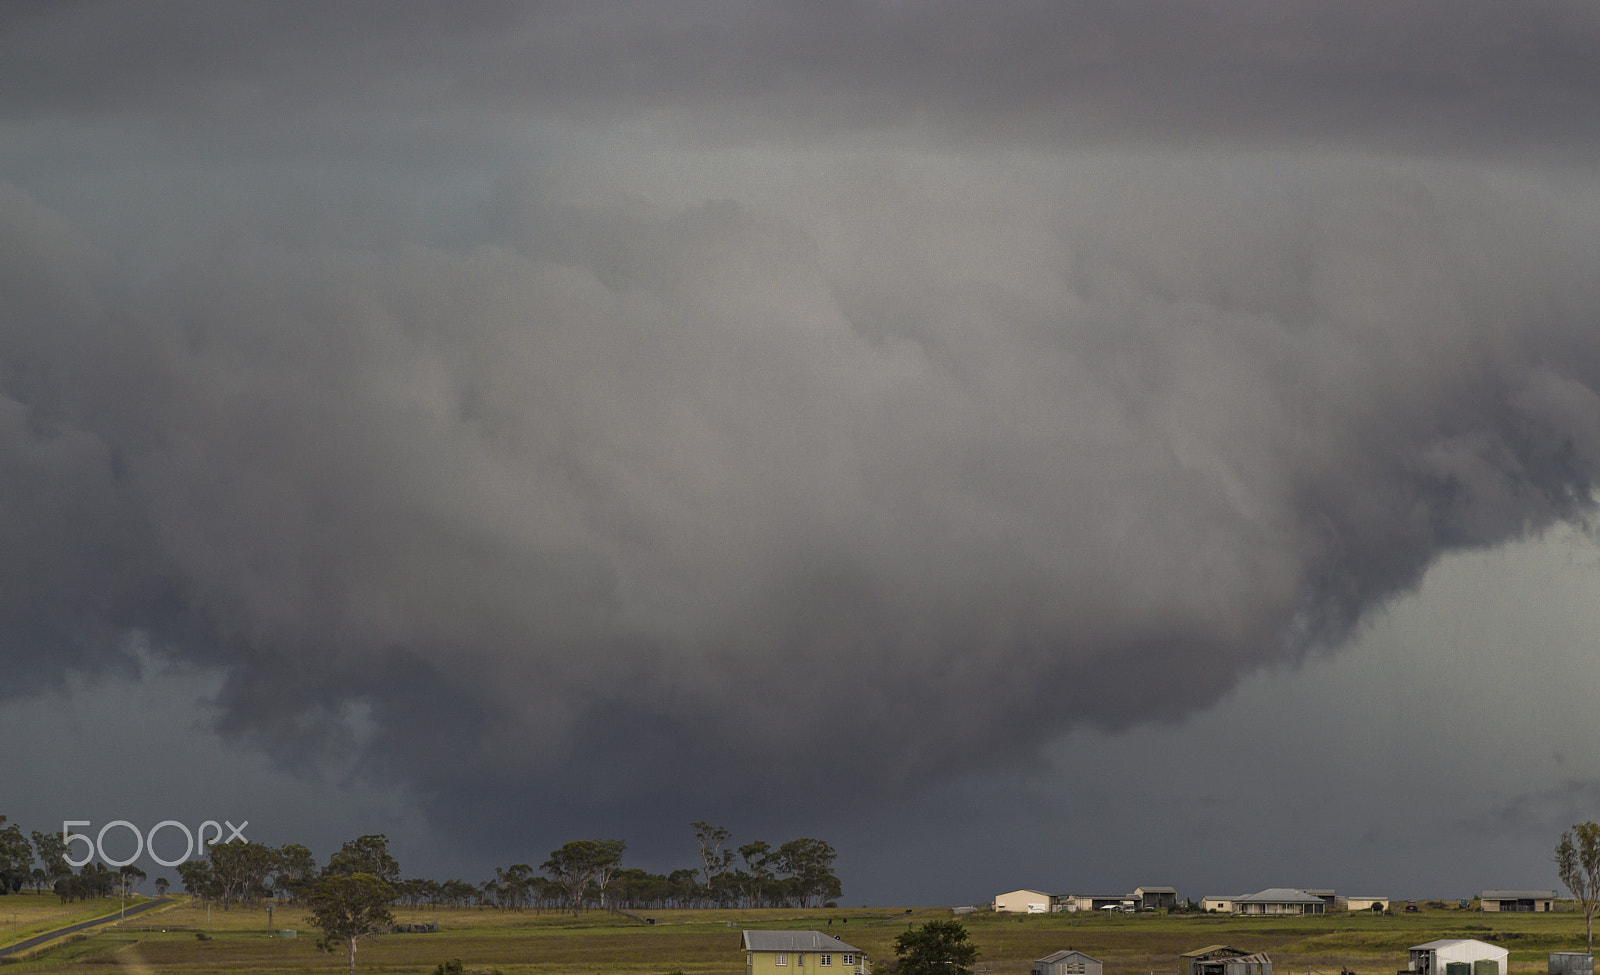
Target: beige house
(1538, 901)
(801, 953)
(1025, 902)
(1364, 903)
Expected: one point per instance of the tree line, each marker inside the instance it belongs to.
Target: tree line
(578, 875)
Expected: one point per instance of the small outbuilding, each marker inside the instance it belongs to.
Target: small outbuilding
(1066, 962)
(1457, 956)
(1571, 963)
(1223, 960)
(1155, 898)
(1364, 903)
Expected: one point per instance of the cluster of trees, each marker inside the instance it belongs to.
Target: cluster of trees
(589, 873)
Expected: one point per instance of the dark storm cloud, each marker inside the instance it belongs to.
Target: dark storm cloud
(1430, 75)
(632, 498)
(843, 478)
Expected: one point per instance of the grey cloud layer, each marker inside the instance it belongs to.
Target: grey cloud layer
(848, 485)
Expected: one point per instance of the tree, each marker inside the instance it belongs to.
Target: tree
(241, 870)
(712, 858)
(16, 858)
(582, 862)
(936, 948)
(365, 854)
(348, 909)
(162, 884)
(52, 852)
(1578, 866)
(296, 870)
(809, 863)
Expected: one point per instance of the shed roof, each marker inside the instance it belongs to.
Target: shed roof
(1517, 895)
(1452, 942)
(1064, 954)
(1156, 890)
(794, 941)
(1212, 951)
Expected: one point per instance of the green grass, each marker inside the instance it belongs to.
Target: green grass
(26, 914)
(707, 942)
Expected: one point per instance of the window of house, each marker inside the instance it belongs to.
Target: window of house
(849, 959)
(780, 958)
(825, 960)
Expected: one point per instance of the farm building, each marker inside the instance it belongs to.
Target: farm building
(1571, 963)
(1066, 962)
(1155, 898)
(1518, 900)
(1279, 900)
(800, 953)
(1025, 902)
(1364, 903)
(1457, 956)
(1223, 960)
(1097, 902)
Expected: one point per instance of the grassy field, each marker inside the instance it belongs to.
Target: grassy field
(695, 942)
(26, 914)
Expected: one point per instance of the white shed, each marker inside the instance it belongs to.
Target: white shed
(1437, 957)
(1022, 902)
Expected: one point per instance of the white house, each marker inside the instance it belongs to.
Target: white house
(1364, 903)
(1435, 957)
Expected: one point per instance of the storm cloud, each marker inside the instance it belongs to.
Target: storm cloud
(833, 392)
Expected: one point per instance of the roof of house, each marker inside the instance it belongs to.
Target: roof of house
(1279, 895)
(794, 941)
(1451, 942)
(1517, 895)
(1155, 890)
(1063, 954)
(1025, 890)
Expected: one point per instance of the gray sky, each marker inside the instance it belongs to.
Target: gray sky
(1062, 445)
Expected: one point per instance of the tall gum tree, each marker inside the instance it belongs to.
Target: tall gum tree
(1578, 866)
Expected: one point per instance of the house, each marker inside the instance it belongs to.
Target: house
(1442, 958)
(1155, 898)
(1279, 900)
(1223, 960)
(1540, 901)
(1217, 903)
(800, 953)
(1364, 903)
(1096, 902)
(1066, 962)
(1025, 902)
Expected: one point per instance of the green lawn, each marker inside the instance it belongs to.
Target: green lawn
(696, 942)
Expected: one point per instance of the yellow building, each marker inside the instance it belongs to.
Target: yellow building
(801, 953)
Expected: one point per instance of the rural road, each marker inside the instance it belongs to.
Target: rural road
(71, 928)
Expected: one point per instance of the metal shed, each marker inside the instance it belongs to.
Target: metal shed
(1066, 962)
(1458, 956)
